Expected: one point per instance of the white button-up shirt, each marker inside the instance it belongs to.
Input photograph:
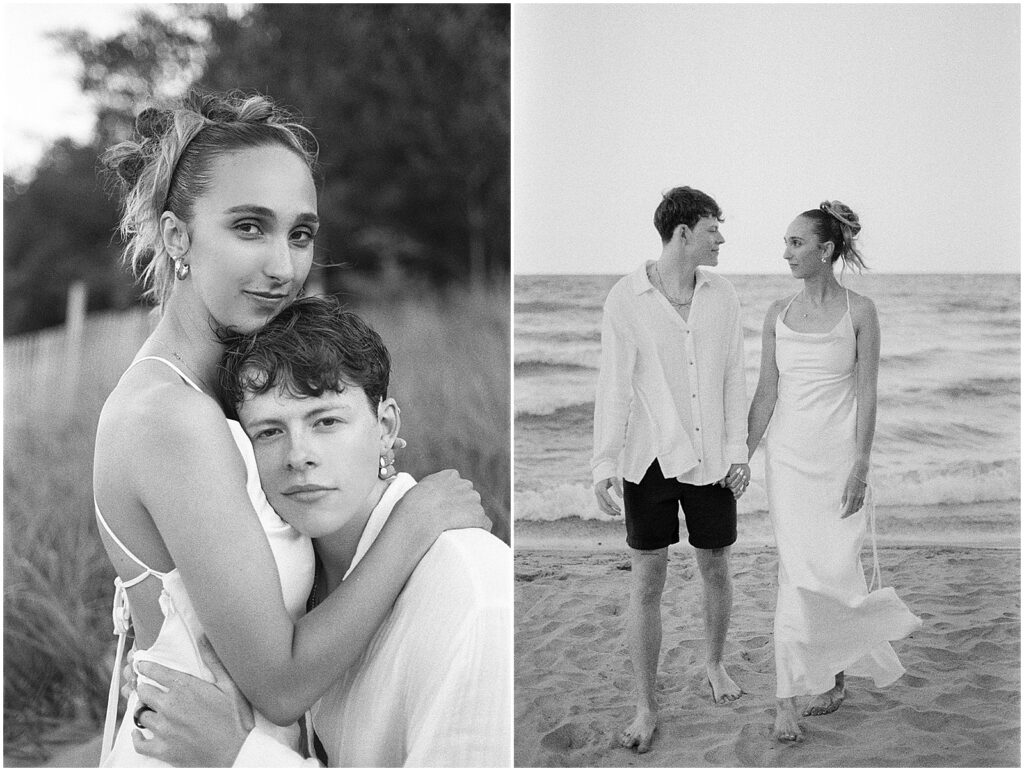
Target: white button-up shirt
(434, 687)
(670, 389)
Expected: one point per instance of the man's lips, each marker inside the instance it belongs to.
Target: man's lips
(307, 492)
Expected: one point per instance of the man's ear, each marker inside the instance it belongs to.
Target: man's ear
(390, 421)
(682, 232)
(174, 235)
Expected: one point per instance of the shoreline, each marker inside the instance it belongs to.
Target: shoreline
(599, 535)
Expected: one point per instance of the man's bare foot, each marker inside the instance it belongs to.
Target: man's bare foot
(827, 702)
(640, 733)
(787, 729)
(723, 689)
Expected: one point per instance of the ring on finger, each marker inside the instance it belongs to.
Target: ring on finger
(138, 714)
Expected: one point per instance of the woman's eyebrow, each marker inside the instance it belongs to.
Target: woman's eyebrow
(263, 211)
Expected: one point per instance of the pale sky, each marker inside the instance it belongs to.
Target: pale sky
(910, 114)
(40, 94)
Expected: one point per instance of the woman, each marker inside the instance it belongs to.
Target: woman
(220, 214)
(818, 383)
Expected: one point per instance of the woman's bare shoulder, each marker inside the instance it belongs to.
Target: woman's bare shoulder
(148, 406)
(862, 308)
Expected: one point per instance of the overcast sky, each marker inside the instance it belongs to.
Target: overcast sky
(910, 114)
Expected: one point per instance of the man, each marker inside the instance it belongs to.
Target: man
(433, 688)
(670, 430)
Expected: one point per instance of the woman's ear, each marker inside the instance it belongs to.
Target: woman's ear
(174, 235)
(389, 419)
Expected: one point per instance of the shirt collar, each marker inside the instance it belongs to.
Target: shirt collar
(398, 487)
(641, 282)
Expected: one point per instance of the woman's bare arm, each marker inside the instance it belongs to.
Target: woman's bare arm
(869, 342)
(186, 470)
(763, 404)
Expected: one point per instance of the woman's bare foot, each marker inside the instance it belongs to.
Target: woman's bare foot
(787, 729)
(830, 701)
(723, 689)
(640, 733)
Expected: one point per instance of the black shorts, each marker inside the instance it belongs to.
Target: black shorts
(652, 512)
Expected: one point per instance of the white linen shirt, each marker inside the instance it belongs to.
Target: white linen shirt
(670, 389)
(434, 686)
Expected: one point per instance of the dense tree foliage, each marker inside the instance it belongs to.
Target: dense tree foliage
(410, 104)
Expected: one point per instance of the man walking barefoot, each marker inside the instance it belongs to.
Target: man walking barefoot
(670, 431)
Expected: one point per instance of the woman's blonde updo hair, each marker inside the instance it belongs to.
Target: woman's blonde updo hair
(166, 167)
(836, 222)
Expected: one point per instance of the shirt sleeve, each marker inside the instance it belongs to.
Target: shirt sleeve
(736, 393)
(614, 391)
(467, 720)
(261, 751)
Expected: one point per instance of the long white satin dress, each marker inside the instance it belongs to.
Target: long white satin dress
(826, 621)
(177, 643)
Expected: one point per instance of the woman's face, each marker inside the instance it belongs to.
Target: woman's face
(250, 240)
(803, 249)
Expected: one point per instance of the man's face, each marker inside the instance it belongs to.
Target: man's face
(319, 457)
(702, 241)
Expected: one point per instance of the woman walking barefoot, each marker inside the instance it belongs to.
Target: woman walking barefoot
(818, 384)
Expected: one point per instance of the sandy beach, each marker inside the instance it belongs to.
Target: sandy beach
(957, 705)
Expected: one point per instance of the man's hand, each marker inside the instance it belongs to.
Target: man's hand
(737, 479)
(604, 498)
(194, 723)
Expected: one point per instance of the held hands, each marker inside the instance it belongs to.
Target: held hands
(853, 494)
(605, 501)
(737, 479)
(194, 723)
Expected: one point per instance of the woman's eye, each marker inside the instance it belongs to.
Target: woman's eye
(303, 237)
(248, 228)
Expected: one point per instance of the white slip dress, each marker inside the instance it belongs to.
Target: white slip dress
(176, 645)
(826, 620)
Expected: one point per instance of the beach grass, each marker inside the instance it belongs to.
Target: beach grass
(451, 376)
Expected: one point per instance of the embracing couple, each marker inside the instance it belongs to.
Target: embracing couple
(290, 596)
(672, 429)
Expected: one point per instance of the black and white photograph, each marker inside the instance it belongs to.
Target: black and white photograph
(766, 385)
(257, 485)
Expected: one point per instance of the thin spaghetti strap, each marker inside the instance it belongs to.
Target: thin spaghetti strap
(180, 374)
(847, 300)
(148, 571)
(782, 315)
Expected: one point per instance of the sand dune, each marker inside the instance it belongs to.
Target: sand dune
(958, 704)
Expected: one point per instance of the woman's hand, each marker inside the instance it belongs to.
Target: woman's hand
(194, 723)
(853, 495)
(441, 501)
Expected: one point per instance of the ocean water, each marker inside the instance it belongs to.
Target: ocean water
(948, 426)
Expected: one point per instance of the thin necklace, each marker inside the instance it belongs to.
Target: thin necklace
(664, 289)
(807, 300)
(184, 363)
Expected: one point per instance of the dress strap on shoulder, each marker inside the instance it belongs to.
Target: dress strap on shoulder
(170, 364)
(847, 300)
(782, 314)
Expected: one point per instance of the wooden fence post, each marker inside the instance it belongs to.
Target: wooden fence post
(74, 324)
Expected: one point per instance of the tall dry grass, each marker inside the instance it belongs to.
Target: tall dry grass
(451, 377)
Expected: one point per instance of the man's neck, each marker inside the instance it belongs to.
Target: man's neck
(336, 550)
(677, 273)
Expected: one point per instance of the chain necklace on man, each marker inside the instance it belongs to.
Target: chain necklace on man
(668, 296)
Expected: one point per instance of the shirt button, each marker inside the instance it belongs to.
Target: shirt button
(698, 428)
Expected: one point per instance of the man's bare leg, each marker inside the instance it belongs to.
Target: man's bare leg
(787, 729)
(714, 569)
(827, 702)
(643, 627)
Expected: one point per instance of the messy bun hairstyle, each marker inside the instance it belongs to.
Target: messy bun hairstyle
(167, 167)
(836, 222)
